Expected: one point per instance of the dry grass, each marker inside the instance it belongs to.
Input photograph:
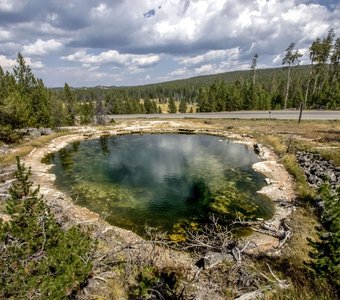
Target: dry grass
(303, 190)
(303, 223)
(274, 142)
(25, 148)
(165, 107)
(290, 265)
(320, 291)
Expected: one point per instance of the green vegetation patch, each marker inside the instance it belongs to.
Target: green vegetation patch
(39, 259)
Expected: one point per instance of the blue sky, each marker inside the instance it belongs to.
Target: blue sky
(125, 42)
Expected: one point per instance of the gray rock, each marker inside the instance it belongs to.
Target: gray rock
(318, 170)
(212, 259)
(46, 131)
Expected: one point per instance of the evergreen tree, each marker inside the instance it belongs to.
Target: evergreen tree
(182, 106)
(150, 106)
(154, 107)
(40, 106)
(24, 76)
(86, 112)
(253, 66)
(147, 105)
(38, 259)
(326, 255)
(172, 106)
(70, 103)
(58, 112)
(203, 100)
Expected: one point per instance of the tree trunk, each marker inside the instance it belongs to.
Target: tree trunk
(287, 88)
(307, 89)
(300, 114)
(315, 83)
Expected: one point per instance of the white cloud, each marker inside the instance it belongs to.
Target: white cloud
(277, 59)
(178, 72)
(113, 56)
(5, 34)
(210, 56)
(40, 47)
(6, 5)
(143, 60)
(6, 62)
(99, 10)
(37, 65)
(205, 69)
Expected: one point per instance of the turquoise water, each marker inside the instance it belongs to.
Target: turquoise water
(161, 179)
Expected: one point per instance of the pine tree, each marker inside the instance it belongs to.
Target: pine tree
(172, 106)
(23, 75)
(40, 106)
(38, 259)
(326, 254)
(253, 66)
(70, 103)
(182, 106)
(86, 111)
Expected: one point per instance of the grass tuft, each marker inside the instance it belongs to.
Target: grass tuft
(302, 188)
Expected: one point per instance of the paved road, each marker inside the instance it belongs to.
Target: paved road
(277, 114)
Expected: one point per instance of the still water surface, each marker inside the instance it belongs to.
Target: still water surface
(161, 180)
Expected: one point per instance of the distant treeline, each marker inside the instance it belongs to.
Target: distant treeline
(25, 101)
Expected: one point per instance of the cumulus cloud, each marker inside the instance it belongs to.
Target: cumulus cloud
(37, 65)
(113, 56)
(6, 5)
(6, 62)
(41, 47)
(209, 56)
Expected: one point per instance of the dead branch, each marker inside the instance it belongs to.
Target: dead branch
(212, 237)
(253, 295)
(100, 278)
(288, 235)
(236, 254)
